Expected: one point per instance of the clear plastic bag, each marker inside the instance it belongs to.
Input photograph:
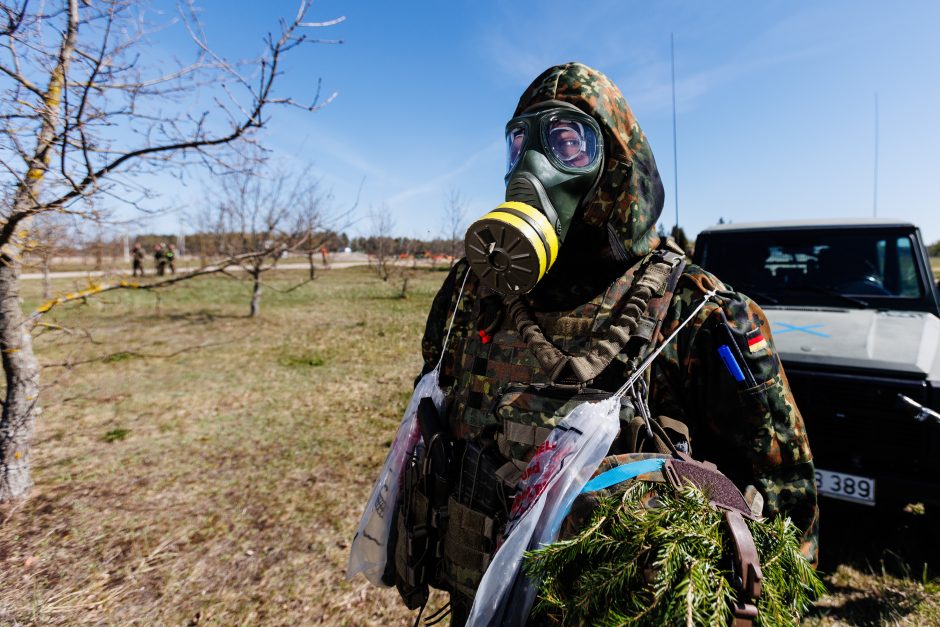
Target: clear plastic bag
(549, 485)
(369, 551)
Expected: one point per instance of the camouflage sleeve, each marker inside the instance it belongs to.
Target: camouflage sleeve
(438, 318)
(723, 378)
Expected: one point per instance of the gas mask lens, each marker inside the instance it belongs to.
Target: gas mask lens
(515, 141)
(572, 143)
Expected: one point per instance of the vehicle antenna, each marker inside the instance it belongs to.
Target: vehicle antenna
(675, 153)
(875, 184)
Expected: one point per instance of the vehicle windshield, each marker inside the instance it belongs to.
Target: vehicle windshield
(817, 267)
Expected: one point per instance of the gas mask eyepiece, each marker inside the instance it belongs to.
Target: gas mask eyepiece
(553, 160)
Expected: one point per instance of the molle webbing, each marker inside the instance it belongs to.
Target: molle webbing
(651, 282)
(532, 435)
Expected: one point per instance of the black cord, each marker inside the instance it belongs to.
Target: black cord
(439, 615)
(418, 617)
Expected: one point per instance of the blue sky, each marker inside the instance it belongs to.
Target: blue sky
(775, 101)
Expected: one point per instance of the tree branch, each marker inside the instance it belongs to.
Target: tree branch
(100, 288)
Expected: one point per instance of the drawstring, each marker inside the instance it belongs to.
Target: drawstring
(452, 317)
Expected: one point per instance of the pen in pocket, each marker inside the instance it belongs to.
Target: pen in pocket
(733, 351)
(731, 363)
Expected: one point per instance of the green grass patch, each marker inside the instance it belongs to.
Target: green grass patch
(301, 361)
(247, 450)
(115, 435)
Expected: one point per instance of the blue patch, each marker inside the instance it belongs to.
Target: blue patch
(623, 473)
(805, 329)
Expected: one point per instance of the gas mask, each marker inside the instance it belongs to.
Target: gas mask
(554, 158)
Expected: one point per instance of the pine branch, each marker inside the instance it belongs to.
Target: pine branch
(654, 555)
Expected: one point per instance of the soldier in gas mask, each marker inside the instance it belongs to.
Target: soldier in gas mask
(565, 288)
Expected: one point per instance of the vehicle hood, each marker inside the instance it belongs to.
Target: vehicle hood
(905, 342)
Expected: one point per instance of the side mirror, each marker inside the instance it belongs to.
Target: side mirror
(917, 411)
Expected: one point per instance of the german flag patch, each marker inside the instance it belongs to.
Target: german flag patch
(756, 341)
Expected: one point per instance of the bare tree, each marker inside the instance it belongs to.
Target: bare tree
(455, 217)
(85, 112)
(260, 216)
(323, 232)
(388, 253)
(382, 249)
(48, 234)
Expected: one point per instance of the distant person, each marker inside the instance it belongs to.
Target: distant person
(159, 259)
(137, 255)
(170, 256)
(323, 254)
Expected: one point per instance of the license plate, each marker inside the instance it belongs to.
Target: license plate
(839, 485)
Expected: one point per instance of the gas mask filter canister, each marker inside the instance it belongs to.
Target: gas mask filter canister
(512, 247)
(553, 162)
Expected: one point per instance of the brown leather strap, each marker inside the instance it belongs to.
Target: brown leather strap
(721, 491)
(725, 496)
(748, 576)
(744, 615)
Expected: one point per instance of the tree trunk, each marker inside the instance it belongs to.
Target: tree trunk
(20, 368)
(99, 255)
(46, 279)
(256, 296)
(20, 406)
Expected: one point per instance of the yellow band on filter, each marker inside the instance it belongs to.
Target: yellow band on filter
(526, 230)
(544, 225)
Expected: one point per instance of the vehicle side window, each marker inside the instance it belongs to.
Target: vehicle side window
(908, 284)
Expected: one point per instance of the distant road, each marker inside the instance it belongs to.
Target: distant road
(339, 261)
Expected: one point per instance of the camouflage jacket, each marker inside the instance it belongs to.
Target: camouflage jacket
(751, 429)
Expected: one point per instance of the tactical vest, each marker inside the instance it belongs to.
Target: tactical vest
(517, 373)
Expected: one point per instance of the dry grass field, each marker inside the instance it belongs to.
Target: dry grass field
(194, 466)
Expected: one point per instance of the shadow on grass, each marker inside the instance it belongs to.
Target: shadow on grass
(863, 605)
(894, 542)
(203, 316)
(877, 564)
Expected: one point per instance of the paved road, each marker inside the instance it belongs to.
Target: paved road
(355, 260)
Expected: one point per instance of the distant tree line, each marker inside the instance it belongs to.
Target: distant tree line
(206, 244)
(373, 245)
(198, 244)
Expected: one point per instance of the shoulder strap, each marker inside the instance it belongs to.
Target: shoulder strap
(657, 277)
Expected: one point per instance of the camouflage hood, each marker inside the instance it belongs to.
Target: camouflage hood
(628, 197)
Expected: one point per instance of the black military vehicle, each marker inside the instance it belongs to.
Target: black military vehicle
(853, 306)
